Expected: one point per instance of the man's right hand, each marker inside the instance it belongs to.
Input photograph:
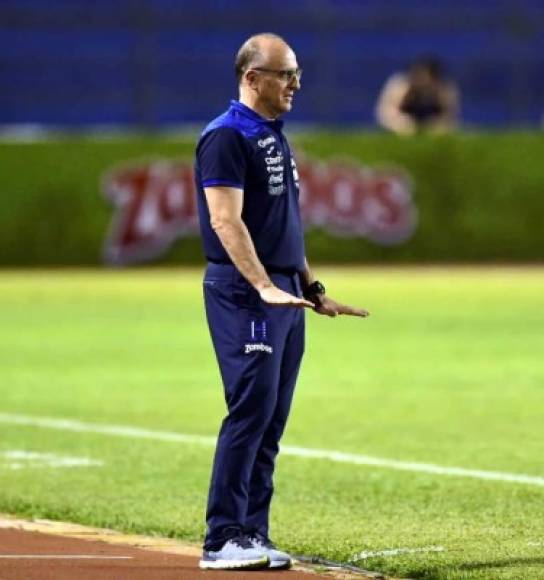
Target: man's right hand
(277, 297)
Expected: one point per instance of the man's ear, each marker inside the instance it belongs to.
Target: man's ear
(251, 78)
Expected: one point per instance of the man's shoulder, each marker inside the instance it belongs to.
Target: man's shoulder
(223, 121)
(232, 122)
(221, 136)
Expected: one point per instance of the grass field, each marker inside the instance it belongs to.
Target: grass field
(448, 370)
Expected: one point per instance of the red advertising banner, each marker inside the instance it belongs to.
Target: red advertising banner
(155, 204)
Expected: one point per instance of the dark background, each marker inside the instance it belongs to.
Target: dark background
(152, 63)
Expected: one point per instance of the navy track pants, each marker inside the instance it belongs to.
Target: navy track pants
(259, 349)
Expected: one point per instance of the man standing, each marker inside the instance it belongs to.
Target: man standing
(256, 286)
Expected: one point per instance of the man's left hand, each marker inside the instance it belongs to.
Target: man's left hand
(328, 307)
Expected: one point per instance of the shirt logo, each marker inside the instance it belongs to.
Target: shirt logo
(276, 190)
(274, 166)
(273, 160)
(265, 142)
(295, 171)
(276, 178)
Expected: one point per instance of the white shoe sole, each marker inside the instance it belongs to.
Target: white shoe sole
(280, 564)
(234, 564)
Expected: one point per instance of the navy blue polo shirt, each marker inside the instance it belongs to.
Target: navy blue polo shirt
(241, 149)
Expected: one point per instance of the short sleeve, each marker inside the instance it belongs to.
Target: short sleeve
(222, 158)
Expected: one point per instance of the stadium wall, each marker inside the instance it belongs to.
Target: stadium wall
(479, 197)
(140, 63)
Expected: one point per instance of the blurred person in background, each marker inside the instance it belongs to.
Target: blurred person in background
(256, 286)
(422, 99)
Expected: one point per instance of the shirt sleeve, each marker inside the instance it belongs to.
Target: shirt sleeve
(222, 158)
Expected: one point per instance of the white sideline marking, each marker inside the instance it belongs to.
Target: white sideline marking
(23, 459)
(62, 557)
(412, 466)
(397, 552)
(337, 456)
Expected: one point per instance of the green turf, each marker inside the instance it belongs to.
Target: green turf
(449, 369)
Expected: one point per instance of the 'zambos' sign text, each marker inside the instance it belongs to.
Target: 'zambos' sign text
(155, 204)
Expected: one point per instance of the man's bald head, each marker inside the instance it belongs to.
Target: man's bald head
(259, 50)
(268, 75)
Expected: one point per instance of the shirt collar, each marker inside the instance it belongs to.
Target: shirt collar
(246, 111)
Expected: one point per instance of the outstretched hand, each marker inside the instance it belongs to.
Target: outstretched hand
(277, 297)
(329, 307)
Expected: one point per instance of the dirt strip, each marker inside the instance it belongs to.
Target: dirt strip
(46, 550)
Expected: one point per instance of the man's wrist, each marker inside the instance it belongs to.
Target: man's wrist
(314, 291)
(262, 285)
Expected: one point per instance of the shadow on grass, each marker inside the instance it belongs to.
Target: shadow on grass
(438, 573)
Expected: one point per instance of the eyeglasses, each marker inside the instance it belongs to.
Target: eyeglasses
(286, 75)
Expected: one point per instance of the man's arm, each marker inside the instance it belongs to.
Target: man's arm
(324, 304)
(225, 205)
(306, 275)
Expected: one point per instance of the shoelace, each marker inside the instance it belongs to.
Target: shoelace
(264, 542)
(241, 541)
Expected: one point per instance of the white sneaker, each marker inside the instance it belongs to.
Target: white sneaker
(278, 559)
(237, 553)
